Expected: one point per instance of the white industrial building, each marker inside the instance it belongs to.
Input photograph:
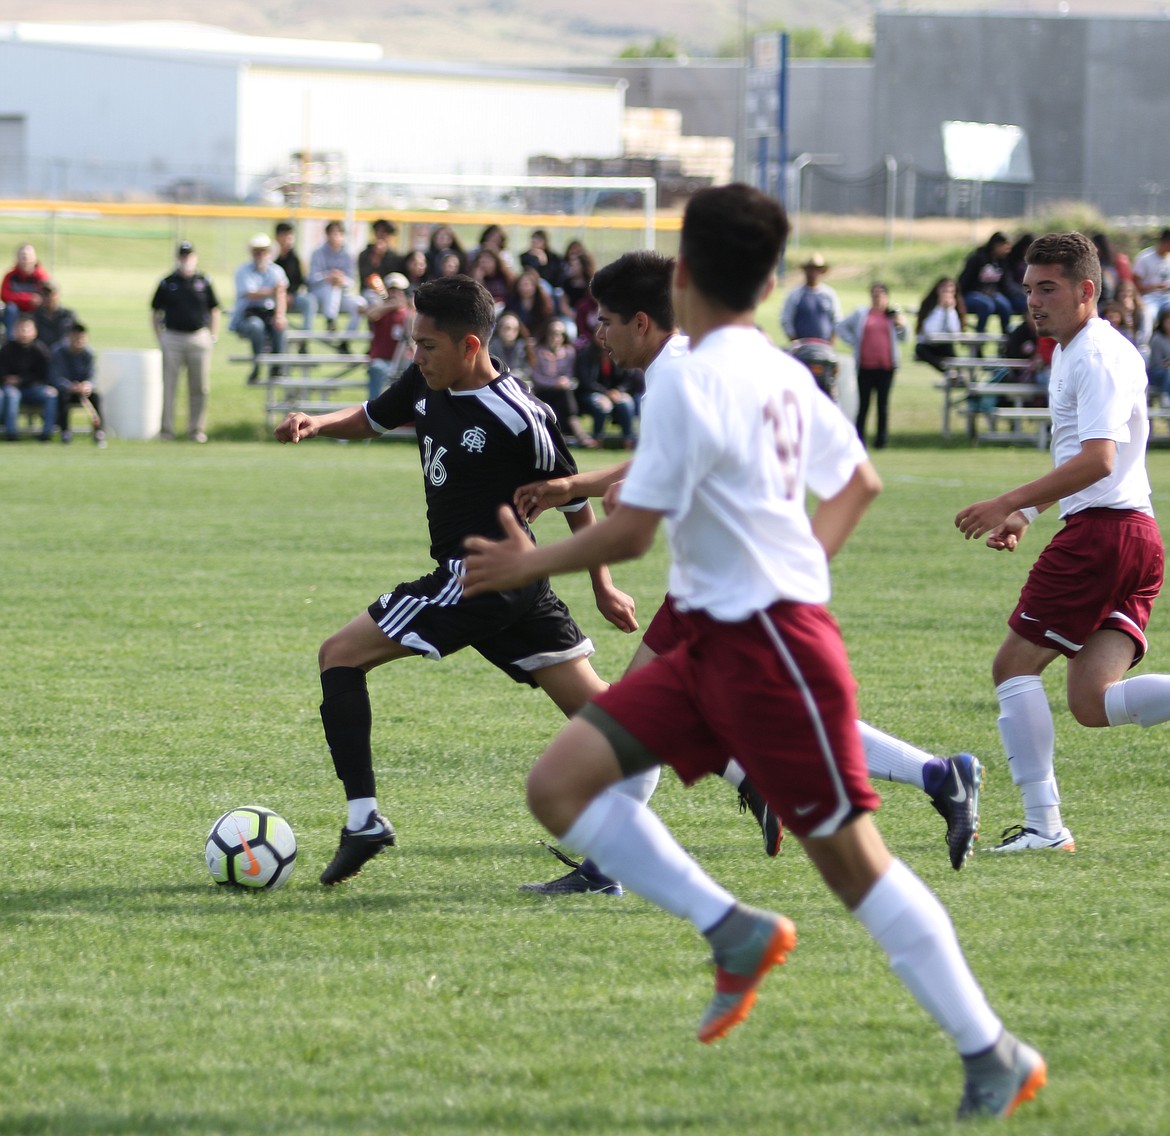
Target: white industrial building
(117, 109)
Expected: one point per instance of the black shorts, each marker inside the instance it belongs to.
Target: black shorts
(521, 631)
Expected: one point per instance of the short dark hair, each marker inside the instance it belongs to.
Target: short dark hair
(1074, 253)
(381, 225)
(334, 226)
(458, 306)
(732, 237)
(637, 282)
(284, 227)
(78, 328)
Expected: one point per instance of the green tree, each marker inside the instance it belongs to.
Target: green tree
(805, 43)
(661, 47)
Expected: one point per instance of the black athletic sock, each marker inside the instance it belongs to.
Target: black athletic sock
(346, 716)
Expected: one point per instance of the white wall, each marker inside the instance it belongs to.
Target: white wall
(393, 121)
(104, 121)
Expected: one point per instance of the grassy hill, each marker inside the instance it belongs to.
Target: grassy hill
(521, 31)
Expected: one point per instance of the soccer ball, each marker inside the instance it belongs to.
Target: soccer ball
(251, 847)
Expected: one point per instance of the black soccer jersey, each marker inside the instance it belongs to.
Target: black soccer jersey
(477, 447)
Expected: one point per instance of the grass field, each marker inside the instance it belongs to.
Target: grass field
(163, 606)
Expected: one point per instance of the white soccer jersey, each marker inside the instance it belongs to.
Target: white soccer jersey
(735, 433)
(1098, 390)
(676, 347)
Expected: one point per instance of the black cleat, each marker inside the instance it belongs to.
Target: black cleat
(358, 847)
(769, 822)
(957, 802)
(579, 881)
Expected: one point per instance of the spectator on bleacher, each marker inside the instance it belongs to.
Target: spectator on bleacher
(603, 388)
(298, 299)
(1158, 364)
(185, 317)
(389, 317)
(1129, 318)
(1016, 267)
(71, 371)
(554, 380)
(414, 268)
(874, 334)
(540, 256)
(260, 315)
(450, 263)
(23, 288)
(530, 303)
(984, 284)
(1025, 342)
(579, 269)
(489, 270)
(444, 240)
(24, 379)
(509, 345)
(1115, 267)
(941, 312)
(494, 238)
(812, 310)
(331, 280)
(53, 320)
(379, 258)
(1151, 274)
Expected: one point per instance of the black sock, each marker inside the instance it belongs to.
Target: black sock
(345, 714)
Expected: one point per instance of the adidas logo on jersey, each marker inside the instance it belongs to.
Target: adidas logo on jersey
(420, 407)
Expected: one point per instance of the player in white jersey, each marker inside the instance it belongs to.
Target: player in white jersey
(1089, 594)
(638, 329)
(637, 323)
(733, 437)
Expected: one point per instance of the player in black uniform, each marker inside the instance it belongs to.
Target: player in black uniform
(480, 436)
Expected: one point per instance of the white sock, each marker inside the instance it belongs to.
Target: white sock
(734, 772)
(1025, 726)
(913, 928)
(359, 812)
(640, 786)
(890, 759)
(628, 842)
(1143, 700)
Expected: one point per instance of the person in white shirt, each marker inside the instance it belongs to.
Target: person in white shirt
(1151, 276)
(1089, 594)
(733, 436)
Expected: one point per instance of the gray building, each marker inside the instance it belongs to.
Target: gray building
(1089, 93)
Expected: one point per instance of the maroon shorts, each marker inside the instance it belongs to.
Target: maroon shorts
(1103, 569)
(665, 630)
(775, 690)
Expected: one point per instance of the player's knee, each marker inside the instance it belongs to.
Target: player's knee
(331, 654)
(546, 799)
(1088, 710)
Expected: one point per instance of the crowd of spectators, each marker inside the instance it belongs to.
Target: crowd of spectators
(46, 365)
(546, 333)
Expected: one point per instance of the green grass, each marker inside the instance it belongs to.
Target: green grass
(163, 606)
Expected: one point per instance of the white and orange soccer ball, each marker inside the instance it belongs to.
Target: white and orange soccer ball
(251, 847)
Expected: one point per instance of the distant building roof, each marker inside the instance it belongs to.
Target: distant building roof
(181, 36)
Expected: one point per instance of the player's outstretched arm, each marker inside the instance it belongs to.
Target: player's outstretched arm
(837, 516)
(348, 423)
(497, 565)
(534, 498)
(1090, 465)
(612, 602)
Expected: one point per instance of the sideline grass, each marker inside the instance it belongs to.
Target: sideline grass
(163, 607)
